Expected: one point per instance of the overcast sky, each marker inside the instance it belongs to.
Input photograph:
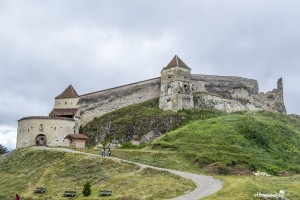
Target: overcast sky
(96, 44)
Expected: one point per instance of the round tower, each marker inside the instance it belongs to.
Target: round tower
(176, 87)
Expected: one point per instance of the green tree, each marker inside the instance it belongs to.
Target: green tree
(3, 149)
(87, 191)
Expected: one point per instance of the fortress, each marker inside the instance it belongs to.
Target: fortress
(177, 89)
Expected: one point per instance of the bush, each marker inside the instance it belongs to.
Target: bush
(254, 131)
(3, 149)
(87, 191)
(253, 167)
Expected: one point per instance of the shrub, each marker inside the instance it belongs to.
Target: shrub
(253, 130)
(253, 167)
(87, 191)
(3, 149)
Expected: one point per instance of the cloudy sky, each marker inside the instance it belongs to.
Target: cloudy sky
(96, 44)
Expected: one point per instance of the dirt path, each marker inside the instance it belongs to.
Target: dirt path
(206, 185)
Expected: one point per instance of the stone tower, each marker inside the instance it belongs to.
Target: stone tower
(66, 106)
(176, 87)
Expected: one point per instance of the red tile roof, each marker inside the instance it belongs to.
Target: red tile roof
(59, 112)
(76, 136)
(176, 61)
(69, 92)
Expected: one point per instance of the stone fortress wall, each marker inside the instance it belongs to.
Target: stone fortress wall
(177, 89)
(228, 93)
(231, 94)
(99, 103)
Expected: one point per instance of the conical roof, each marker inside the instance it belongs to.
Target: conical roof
(177, 62)
(69, 92)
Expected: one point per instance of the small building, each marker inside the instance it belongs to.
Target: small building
(76, 140)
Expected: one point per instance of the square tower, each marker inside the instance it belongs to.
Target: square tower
(176, 88)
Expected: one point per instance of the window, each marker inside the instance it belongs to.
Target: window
(41, 127)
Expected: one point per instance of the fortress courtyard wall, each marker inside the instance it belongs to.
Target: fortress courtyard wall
(99, 103)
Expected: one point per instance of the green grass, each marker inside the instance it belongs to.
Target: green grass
(27, 169)
(226, 144)
(262, 140)
(234, 187)
(134, 121)
(269, 142)
(231, 144)
(245, 187)
(213, 142)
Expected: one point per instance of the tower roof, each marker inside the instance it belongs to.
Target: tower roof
(63, 112)
(69, 92)
(177, 62)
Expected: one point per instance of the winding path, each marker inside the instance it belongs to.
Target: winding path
(206, 185)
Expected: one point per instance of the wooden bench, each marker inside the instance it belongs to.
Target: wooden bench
(105, 192)
(40, 190)
(70, 193)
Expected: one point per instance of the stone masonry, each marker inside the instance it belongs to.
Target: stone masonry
(177, 89)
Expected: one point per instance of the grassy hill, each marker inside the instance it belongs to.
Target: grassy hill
(255, 141)
(205, 140)
(229, 146)
(135, 121)
(27, 169)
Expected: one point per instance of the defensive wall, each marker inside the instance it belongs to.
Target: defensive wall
(99, 103)
(228, 93)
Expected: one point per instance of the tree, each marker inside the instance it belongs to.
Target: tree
(87, 191)
(3, 149)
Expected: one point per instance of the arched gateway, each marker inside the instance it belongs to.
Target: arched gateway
(41, 140)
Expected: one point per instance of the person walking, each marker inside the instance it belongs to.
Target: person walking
(17, 197)
(103, 152)
(109, 152)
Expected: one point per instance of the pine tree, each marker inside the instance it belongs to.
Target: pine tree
(87, 191)
(3, 149)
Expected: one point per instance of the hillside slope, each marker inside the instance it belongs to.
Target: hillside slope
(139, 122)
(208, 140)
(255, 141)
(27, 169)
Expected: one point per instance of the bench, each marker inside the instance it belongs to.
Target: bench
(40, 190)
(70, 193)
(105, 192)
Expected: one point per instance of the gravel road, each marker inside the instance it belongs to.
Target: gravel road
(206, 185)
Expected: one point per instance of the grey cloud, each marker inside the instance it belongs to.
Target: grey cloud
(46, 45)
